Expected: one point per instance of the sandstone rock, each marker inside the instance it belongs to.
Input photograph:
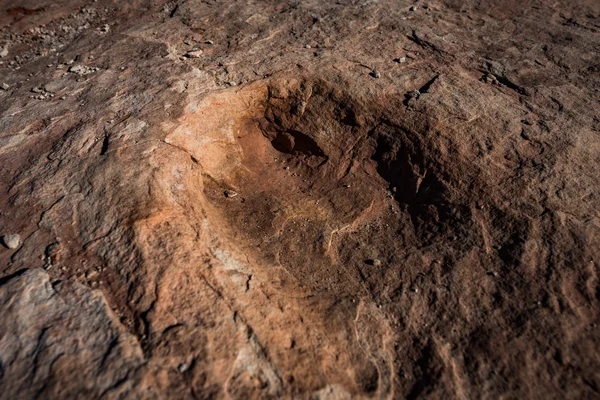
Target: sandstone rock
(470, 172)
(50, 336)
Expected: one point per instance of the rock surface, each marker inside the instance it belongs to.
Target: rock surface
(62, 341)
(284, 199)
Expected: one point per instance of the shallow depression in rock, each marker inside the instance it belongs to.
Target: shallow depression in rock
(314, 169)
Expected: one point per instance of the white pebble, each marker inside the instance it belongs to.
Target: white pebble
(12, 241)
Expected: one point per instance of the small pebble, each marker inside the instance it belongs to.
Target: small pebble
(375, 74)
(400, 60)
(491, 79)
(91, 274)
(413, 8)
(194, 53)
(413, 94)
(52, 249)
(83, 69)
(307, 46)
(4, 86)
(182, 367)
(12, 241)
(230, 193)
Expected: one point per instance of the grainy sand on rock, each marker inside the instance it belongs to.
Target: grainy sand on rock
(300, 199)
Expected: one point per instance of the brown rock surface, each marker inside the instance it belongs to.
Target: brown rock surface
(300, 199)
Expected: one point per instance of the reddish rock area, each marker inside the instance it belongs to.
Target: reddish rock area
(300, 199)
